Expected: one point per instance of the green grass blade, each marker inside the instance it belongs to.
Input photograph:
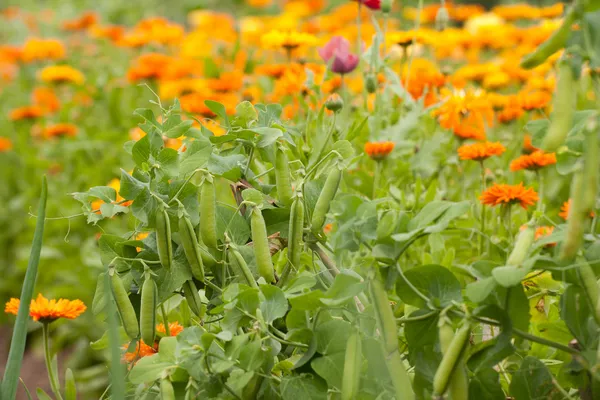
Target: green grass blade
(19, 337)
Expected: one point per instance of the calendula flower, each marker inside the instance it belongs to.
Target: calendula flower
(533, 161)
(26, 112)
(466, 113)
(5, 144)
(45, 311)
(543, 231)
(141, 350)
(564, 210)
(509, 194)
(480, 151)
(287, 40)
(82, 23)
(45, 98)
(379, 150)
(175, 328)
(61, 74)
(36, 49)
(59, 130)
(528, 147)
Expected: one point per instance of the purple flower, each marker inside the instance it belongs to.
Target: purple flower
(336, 53)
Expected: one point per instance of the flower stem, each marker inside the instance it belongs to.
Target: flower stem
(483, 214)
(376, 177)
(165, 320)
(540, 177)
(53, 379)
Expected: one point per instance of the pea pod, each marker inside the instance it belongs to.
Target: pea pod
(590, 286)
(458, 386)
(388, 330)
(295, 234)
(282, 177)
(236, 260)
(208, 210)
(148, 310)
(524, 241)
(563, 107)
(262, 252)
(352, 367)
(591, 167)
(167, 392)
(451, 358)
(124, 306)
(191, 247)
(575, 220)
(192, 297)
(554, 43)
(163, 239)
(330, 188)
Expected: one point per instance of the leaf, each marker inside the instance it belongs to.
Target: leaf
(42, 395)
(143, 206)
(104, 193)
(166, 349)
(345, 149)
(218, 109)
(434, 281)
(429, 213)
(275, 304)
(517, 306)
(479, 290)
(179, 130)
(253, 195)
(130, 187)
(509, 275)
(487, 354)
(421, 333)
(252, 356)
(485, 385)
(147, 369)
(226, 166)
(575, 311)
(330, 368)
(141, 151)
(266, 136)
(168, 160)
(307, 301)
(148, 116)
(533, 381)
(346, 285)
(305, 386)
(233, 223)
(100, 295)
(195, 156)
(332, 336)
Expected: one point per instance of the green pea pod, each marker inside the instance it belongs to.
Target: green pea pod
(282, 177)
(148, 310)
(576, 219)
(352, 367)
(236, 260)
(295, 235)
(388, 330)
(591, 167)
(193, 298)
(554, 43)
(262, 252)
(163, 239)
(524, 241)
(208, 210)
(590, 286)
(563, 107)
(330, 188)
(191, 247)
(124, 306)
(458, 387)
(451, 359)
(167, 392)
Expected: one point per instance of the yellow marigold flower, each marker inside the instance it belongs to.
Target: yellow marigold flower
(60, 74)
(509, 194)
(480, 151)
(175, 328)
(533, 161)
(379, 150)
(42, 49)
(287, 40)
(46, 311)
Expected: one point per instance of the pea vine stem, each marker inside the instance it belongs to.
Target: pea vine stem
(48, 359)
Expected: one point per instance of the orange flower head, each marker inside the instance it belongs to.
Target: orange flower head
(175, 328)
(480, 151)
(36, 49)
(85, 21)
(141, 350)
(5, 144)
(46, 99)
(509, 194)
(46, 311)
(467, 114)
(59, 130)
(528, 146)
(379, 150)
(533, 161)
(564, 210)
(27, 112)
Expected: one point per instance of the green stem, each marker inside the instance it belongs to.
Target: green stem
(249, 162)
(165, 321)
(376, 177)
(483, 213)
(48, 359)
(540, 178)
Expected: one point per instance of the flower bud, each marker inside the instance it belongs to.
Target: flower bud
(334, 103)
(442, 18)
(386, 6)
(371, 83)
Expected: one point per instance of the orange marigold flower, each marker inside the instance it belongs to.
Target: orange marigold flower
(467, 114)
(379, 150)
(480, 151)
(27, 112)
(535, 100)
(175, 328)
(533, 161)
(45, 311)
(58, 130)
(542, 231)
(86, 20)
(46, 99)
(509, 194)
(564, 210)
(141, 350)
(61, 74)
(528, 146)
(5, 144)
(42, 49)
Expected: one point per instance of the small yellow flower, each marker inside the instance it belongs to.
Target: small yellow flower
(61, 73)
